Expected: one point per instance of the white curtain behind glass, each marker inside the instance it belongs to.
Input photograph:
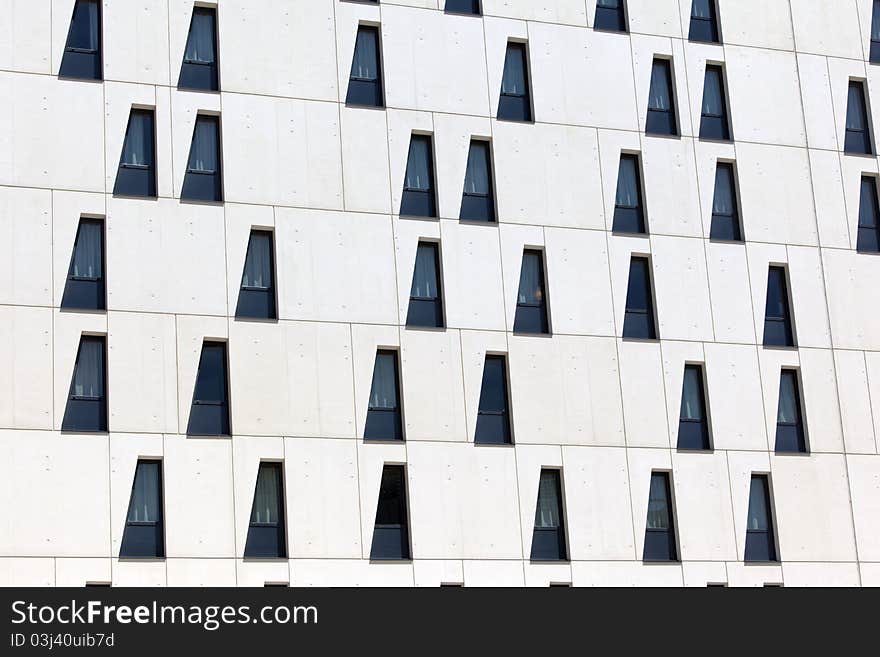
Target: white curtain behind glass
(203, 157)
(627, 184)
(258, 264)
(424, 285)
(658, 506)
(691, 395)
(383, 394)
(700, 9)
(658, 98)
(723, 202)
(266, 498)
(788, 399)
(88, 254)
(548, 512)
(530, 283)
(365, 65)
(144, 505)
(84, 26)
(200, 44)
(855, 110)
(138, 140)
(514, 82)
(418, 172)
(88, 380)
(875, 22)
(713, 104)
(608, 4)
(476, 179)
(757, 506)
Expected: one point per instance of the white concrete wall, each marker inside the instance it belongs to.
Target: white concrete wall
(327, 179)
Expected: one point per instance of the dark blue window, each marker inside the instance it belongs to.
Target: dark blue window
(660, 543)
(209, 415)
(390, 532)
(204, 176)
(531, 300)
(425, 296)
(875, 32)
(85, 288)
(365, 80)
(478, 201)
(713, 122)
(86, 409)
(858, 133)
(790, 436)
(704, 21)
(383, 412)
(199, 69)
(777, 315)
(760, 538)
(629, 216)
(725, 208)
(661, 104)
(144, 537)
(493, 416)
(266, 535)
(548, 537)
(610, 15)
(638, 322)
(418, 198)
(137, 166)
(515, 103)
(82, 53)
(869, 217)
(463, 7)
(693, 423)
(256, 298)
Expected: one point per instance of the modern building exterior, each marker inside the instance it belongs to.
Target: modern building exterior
(426, 292)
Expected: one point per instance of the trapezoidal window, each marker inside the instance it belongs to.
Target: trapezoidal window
(638, 322)
(610, 16)
(425, 296)
(478, 200)
(82, 52)
(713, 121)
(869, 217)
(858, 127)
(548, 537)
(515, 103)
(790, 435)
(660, 541)
(85, 288)
(661, 100)
(204, 176)
(256, 298)
(266, 534)
(760, 537)
(778, 330)
(875, 33)
(725, 206)
(419, 198)
(531, 300)
(693, 423)
(144, 536)
(209, 414)
(704, 22)
(365, 79)
(136, 175)
(199, 68)
(470, 7)
(391, 529)
(383, 412)
(493, 415)
(629, 215)
(86, 409)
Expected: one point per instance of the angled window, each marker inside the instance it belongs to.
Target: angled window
(693, 423)
(463, 7)
(365, 79)
(256, 298)
(725, 208)
(629, 216)
(660, 543)
(383, 413)
(419, 199)
(86, 409)
(610, 15)
(869, 217)
(661, 104)
(790, 436)
(425, 300)
(777, 314)
(493, 416)
(478, 201)
(713, 123)
(266, 535)
(199, 69)
(548, 537)
(209, 415)
(875, 33)
(858, 132)
(204, 178)
(638, 322)
(82, 52)
(515, 103)
(137, 166)
(85, 288)
(144, 537)
(760, 538)
(391, 533)
(704, 22)
(531, 300)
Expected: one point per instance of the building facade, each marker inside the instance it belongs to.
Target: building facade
(423, 292)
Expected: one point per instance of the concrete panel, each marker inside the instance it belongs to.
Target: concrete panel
(864, 483)
(26, 238)
(26, 375)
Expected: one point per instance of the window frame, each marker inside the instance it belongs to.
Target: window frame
(713, 22)
(488, 202)
(376, 86)
(787, 321)
(248, 292)
(558, 535)
(671, 115)
(127, 174)
(144, 528)
(622, 212)
(522, 102)
(477, 9)
(77, 287)
(404, 537)
(671, 533)
(649, 313)
(399, 434)
(718, 124)
(865, 234)
(768, 536)
(865, 136)
(253, 540)
(74, 57)
(734, 218)
(704, 424)
(542, 309)
(70, 423)
(413, 320)
(505, 414)
(412, 199)
(193, 188)
(224, 404)
(621, 17)
(798, 427)
(213, 67)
